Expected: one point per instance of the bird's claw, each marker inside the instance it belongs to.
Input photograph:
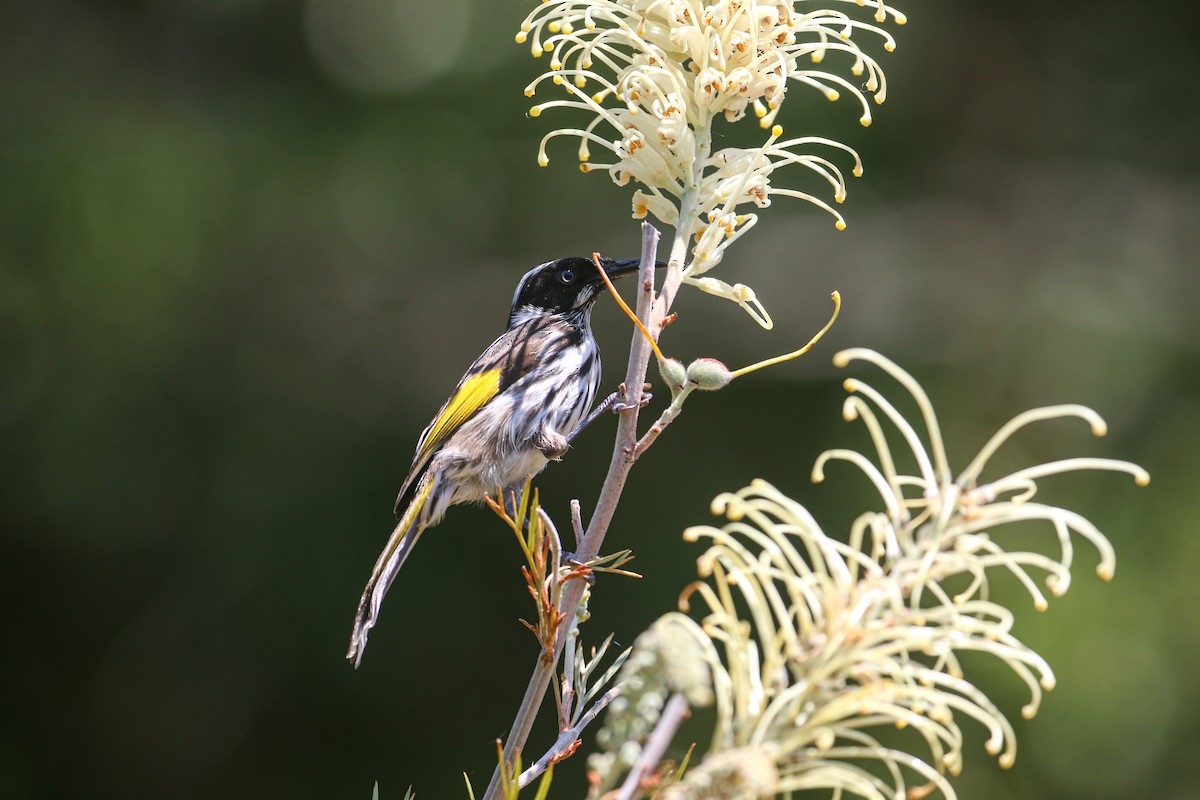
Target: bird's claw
(618, 406)
(645, 401)
(568, 559)
(611, 403)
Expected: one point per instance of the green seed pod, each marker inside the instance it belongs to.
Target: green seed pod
(673, 373)
(708, 374)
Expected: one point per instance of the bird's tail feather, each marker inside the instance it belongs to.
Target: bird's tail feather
(399, 545)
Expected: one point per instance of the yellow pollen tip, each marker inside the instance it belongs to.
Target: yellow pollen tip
(557, 79)
(840, 225)
(536, 111)
(529, 92)
(833, 96)
(547, 46)
(777, 130)
(543, 161)
(866, 121)
(521, 37)
(891, 48)
(1142, 479)
(878, 99)
(556, 64)
(817, 57)
(857, 172)
(554, 27)
(585, 168)
(1104, 572)
(899, 18)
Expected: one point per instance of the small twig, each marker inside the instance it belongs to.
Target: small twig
(576, 522)
(666, 418)
(554, 561)
(552, 580)
(568, 740)
(673, 715)
(566, 705)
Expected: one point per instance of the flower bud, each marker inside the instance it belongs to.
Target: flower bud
(673, 373)
(708, 374)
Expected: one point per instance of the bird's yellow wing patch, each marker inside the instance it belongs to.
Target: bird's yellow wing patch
(471, 396)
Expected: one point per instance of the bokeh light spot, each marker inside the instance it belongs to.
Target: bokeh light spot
(384, 46)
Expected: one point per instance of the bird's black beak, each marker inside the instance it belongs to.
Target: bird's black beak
(617, 268)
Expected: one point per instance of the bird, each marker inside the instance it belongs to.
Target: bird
(514, 410)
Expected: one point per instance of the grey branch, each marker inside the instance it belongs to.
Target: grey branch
(651, 314)
(568, 738)
(673, 715)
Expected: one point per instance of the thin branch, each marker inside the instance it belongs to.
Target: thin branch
(576, 522)
(668, 416)
(673, 715)
(568, 740)
(566, 703)
(624, 451)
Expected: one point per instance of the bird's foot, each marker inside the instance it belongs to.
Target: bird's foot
(577, 567)
(616, 400)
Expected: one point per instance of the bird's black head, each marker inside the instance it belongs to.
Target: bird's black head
(564, 286)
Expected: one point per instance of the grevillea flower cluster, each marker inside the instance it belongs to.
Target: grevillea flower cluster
(665, 659)
(816, 645)
(654, 76)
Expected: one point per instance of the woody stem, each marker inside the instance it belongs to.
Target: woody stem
(651, 314)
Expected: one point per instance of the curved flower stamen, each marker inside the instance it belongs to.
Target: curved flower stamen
(659, 73)
(815, 644)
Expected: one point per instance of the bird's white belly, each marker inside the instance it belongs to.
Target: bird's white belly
(491, 451)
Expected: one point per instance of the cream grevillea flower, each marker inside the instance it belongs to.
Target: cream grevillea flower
(817, 645)
(654, 76)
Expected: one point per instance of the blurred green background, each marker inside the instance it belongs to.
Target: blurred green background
(247, 246)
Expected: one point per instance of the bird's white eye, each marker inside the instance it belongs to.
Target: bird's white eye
(566, 276)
